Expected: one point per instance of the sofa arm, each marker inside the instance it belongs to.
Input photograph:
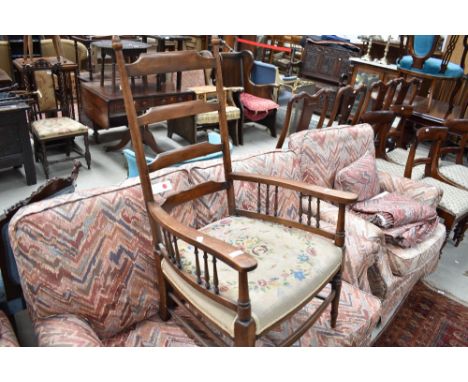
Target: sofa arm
(429, 195)
(65, 330)
(7, 335)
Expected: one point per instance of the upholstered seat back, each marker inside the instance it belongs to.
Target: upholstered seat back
(323, 152)
(90, 254)
(282, 164)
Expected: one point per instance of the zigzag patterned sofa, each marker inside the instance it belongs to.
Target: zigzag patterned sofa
(87, 267)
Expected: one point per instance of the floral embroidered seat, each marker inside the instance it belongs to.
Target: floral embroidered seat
(57, 127)
(292, 266)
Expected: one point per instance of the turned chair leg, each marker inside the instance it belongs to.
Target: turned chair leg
(87, 153)
(244, 333)
(459, 232)
(270, 122)
(336, 287)
(45, 162)
(448, 222)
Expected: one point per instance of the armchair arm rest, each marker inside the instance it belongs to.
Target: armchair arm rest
(65, 330)
(220, 249)
(262, 90)
(334, 196)
(429, 195)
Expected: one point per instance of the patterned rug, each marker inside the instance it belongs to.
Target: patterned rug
(427, 319)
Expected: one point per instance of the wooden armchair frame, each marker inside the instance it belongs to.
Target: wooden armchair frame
(168, 232)
(458, 128)
(237, 68)
(437, 135)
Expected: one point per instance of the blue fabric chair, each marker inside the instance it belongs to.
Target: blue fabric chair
(419, 60)
(129, 155)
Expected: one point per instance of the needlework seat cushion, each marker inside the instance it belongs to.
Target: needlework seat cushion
(292, 266)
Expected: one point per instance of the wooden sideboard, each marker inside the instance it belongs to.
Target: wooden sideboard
(15, 145)
(326, 61)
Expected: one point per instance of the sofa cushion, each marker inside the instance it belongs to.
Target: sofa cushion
(359, 177)
(90, 254)
(292, 264)
(278, 163)
(323, 152)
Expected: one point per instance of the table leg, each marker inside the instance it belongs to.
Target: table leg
(180, 46)
(147, 137)
(124, 140)
(103, 57)
(90, 62)
(113, 75)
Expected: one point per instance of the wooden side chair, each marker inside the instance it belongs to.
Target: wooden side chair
(347, 105)
(305, 106)
(453, 207)
(54, 119)
(202, 271)
(257, 102)
(456, 173)
(419, 62)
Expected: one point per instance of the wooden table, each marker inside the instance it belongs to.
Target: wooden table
(130, 49)
(15, 145)
(104, 106)
(363, 72)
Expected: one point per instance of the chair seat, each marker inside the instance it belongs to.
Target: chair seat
(457, 173)
(57, 127)
(292, 266)
(232, 113)
(399, 170)
(454, 200)
(400, 156)
(432, 66)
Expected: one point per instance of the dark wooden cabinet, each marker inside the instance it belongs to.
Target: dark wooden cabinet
(15, 145)
(326, 61)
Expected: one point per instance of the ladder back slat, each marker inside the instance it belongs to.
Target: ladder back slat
(176, 110)
(172, 157)
(169, 62)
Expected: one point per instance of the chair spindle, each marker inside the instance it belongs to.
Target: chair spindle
(206, 272)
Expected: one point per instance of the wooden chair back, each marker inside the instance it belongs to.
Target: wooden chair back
(381, 122)
(436, 135)
(380, 95)
(459, 129)
(421, 48)
(169, 62)
(307, 105)
(348, 105)
(55, 89)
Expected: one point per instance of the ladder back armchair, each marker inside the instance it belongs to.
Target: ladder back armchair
(214, 273)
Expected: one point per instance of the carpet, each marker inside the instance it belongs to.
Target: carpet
(427, 318)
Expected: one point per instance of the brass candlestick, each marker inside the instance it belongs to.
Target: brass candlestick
(367, 56)
(384, 60)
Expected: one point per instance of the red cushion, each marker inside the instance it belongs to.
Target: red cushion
(257, 104)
